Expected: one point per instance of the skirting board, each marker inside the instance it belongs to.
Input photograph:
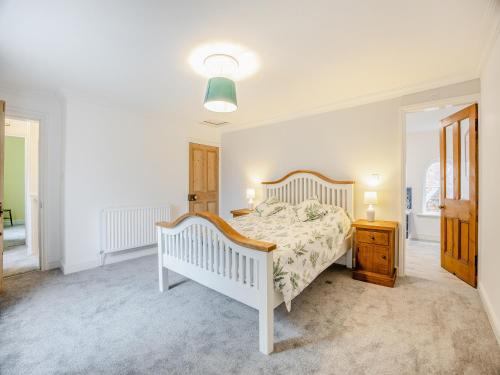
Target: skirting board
(110, 258)
(425, 237)
(54, 265)
(494, 320)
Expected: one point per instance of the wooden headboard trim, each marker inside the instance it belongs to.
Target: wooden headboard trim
(317, 174)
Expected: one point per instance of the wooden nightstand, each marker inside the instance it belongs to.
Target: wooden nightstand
(241, 212)
(375, 251)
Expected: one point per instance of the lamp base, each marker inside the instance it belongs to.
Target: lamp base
(370, 214)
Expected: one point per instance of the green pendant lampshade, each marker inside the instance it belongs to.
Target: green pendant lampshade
(220, 95)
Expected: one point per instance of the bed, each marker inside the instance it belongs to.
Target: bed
(262, 261)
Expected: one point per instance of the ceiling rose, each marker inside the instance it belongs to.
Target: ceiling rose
(207, 57)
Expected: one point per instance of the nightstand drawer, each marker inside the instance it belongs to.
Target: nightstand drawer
(374, 237)
(380, 259)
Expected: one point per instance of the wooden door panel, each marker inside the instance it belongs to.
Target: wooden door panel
(463, 253)
(203, 178)
(199, 171)
(449, 236)
(212, 207)
(212, 175)
(198, 207)
(459, 194)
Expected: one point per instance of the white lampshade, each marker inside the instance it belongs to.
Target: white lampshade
(370, 197)
(250, 193)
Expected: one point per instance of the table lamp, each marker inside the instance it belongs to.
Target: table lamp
(250, 197)
(370, 199)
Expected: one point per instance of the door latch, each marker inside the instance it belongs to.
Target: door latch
(192, 197)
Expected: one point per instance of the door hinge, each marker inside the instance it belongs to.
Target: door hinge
(475, 261)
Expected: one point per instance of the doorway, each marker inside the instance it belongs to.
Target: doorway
(21, 249)
(203, 178)
(434, 160)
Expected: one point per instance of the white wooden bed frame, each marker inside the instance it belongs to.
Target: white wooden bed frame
(206, 249)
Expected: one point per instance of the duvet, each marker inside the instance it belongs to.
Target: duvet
(304, 248)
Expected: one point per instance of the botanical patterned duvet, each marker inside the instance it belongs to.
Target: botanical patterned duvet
(304, 248)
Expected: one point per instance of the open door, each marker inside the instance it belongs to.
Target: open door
(203, 178)
(2, 140)
(459, 200)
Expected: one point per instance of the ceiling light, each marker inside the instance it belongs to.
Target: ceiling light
(220, 65)
(220, 95)
(247, 61)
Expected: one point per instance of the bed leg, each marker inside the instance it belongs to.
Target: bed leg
(266, 330)
(163, 281)
(266, 310)
(162, 271)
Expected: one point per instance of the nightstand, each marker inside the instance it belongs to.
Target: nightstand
(241, 212)
(375, 251)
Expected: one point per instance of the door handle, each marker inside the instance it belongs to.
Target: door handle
(441, 206)
(192, 197)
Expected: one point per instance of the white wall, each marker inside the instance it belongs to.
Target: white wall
(114, 158)
(422, 149)
(489, 181)
(348, 144)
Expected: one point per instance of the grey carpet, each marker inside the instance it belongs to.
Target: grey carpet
(16, 260)
(14, 236)
(113, 320)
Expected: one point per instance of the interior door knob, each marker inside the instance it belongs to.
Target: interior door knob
(441, 206)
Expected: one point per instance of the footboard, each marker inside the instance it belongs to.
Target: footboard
(204, 248)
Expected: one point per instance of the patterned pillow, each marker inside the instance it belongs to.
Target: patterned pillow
(269, 207)
(310, 209)
(339, 216)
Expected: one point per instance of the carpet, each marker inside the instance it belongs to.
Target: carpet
(14, 236)
(113, 320)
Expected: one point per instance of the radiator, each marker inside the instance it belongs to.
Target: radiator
(129, 228)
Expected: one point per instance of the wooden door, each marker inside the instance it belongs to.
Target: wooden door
(459, 199)
(2, 148)
(203, 178)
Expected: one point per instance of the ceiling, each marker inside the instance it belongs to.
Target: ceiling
(312, 54)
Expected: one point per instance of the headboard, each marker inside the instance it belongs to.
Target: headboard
(299, 185)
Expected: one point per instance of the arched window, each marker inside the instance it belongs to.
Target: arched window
(432, 188)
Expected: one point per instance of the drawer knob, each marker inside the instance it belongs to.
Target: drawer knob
(384, 257)
(373, 238)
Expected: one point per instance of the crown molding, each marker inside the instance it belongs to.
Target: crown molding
(354, 102)
(492, 10)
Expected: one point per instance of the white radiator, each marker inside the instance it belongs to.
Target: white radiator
(130, 227)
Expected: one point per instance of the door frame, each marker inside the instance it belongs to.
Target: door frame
(42, 118)
(29, 141)
(457, 100)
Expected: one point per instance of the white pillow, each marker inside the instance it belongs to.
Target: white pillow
(269, 207)
(310, 209)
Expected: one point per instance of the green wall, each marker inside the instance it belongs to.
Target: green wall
(14, 177)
